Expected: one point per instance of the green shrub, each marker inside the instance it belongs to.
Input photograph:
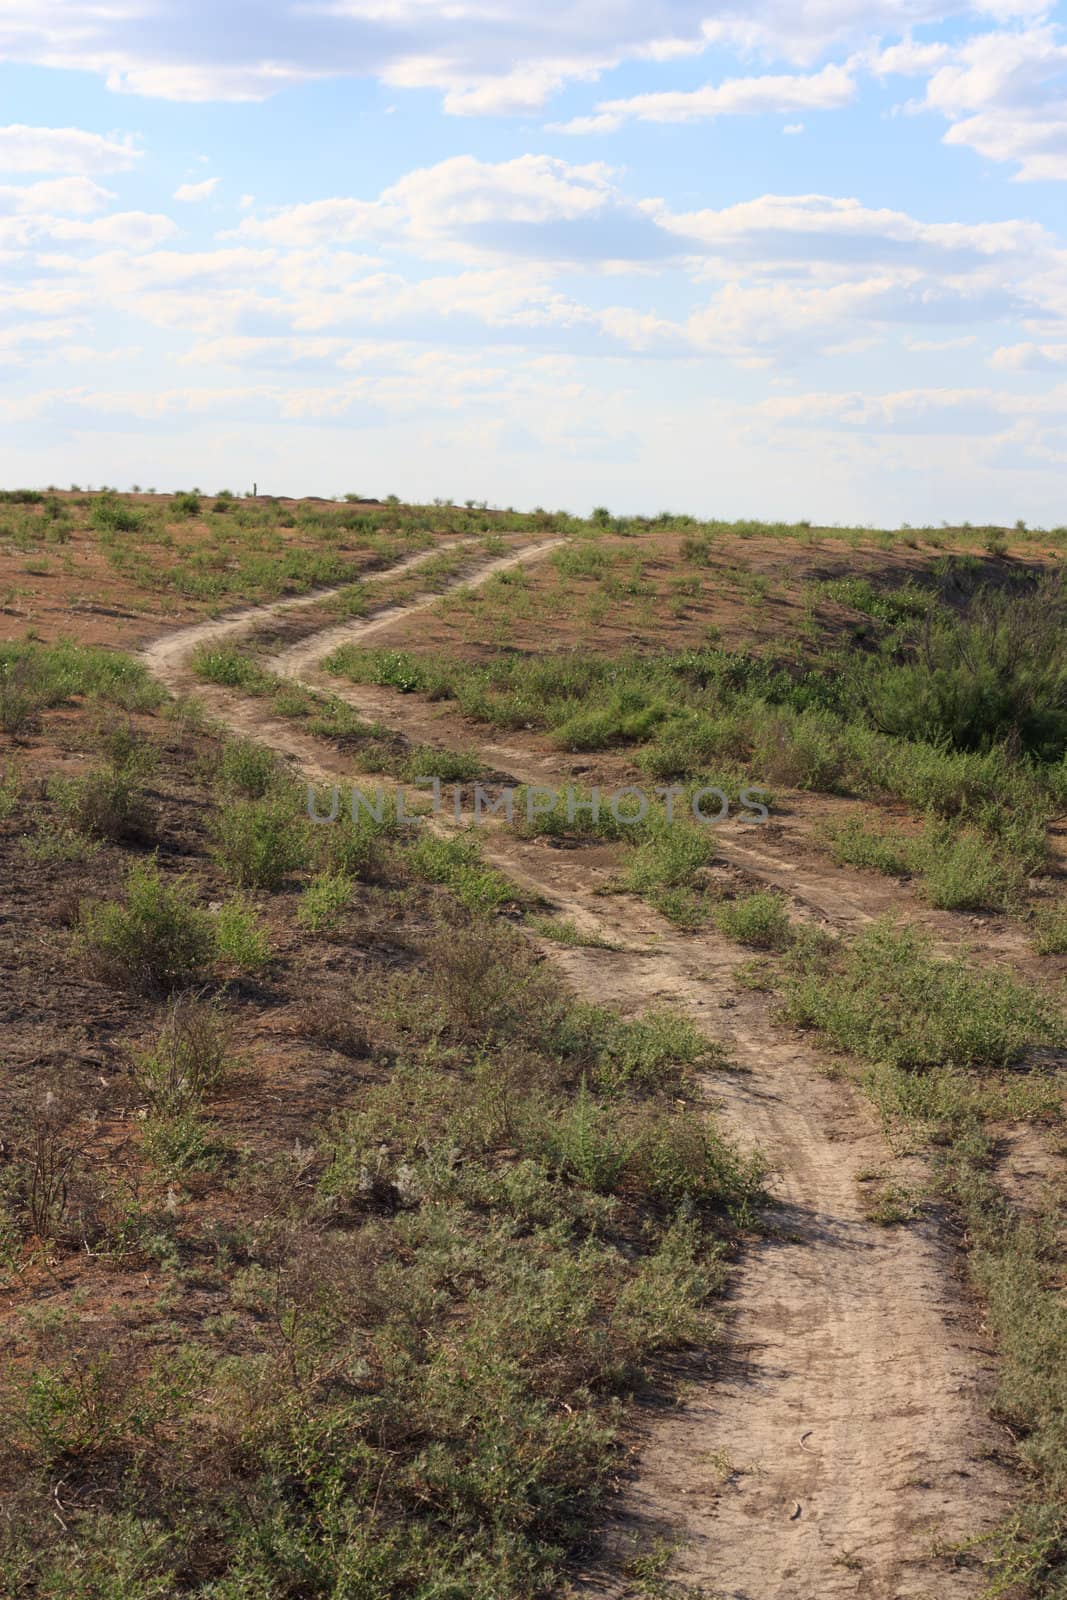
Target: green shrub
(260, 843)
(393, 669)
(569, 815)
(53, 674)
(154, 940)
(324, 901)
(354, 847)
(108, 802)
(760, 919)
(240, 939)
(456, 862)
(112, 516)
(647, 1053)
(667, 868)
(10, 790)
(976, 680)
(1050, 930)
(962, 871)
(249, 769)
(225, 664)
(21, 703)
(853, 843)
(587, 1143)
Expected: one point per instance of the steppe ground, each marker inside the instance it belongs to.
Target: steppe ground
(580, 1203)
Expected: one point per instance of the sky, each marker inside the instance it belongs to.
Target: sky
(800, 258)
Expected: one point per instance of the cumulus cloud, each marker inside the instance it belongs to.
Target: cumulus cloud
(67, 150)
(66, 196)
(191, 193)
(1030, 358)
(534, 206)
(1005, 96)
(834, 86)
(487, 57)
(125, 230)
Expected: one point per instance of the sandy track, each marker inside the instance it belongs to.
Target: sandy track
(853, 1384)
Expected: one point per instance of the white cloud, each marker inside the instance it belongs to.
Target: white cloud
(908, 59)
(484, 56)
(793, 128)
(1030, 358)
(191, 193)
(834, 86)
(916, 410)
(1005, 95)
(537, 206)
(67, 150)
(125, 230)
(72, 196)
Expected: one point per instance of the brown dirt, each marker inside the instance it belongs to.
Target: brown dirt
(846, 1425)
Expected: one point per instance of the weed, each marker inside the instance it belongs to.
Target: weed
(889, 1000)
(109, 802)
(855, 843)
(249, 769)
(559, 930)
(457, 863)
(760, 919)
(154, 940)
(10, 790)
(188, 1059)
(240, 940)
(227, 665)
(260, 843)
(324, 901)
(1050, 930)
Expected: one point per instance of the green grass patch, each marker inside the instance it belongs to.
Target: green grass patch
(456, 861)
(888, 999)
(760, 920)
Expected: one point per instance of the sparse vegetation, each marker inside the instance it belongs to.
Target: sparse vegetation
(888, 999)
(337, 1231)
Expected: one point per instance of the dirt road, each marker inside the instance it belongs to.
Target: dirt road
(841, 1429)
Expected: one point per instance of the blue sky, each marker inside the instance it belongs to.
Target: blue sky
(800, 260)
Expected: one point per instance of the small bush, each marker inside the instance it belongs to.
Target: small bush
(111, 516)
(20, 702)
(396, 670)
(324, 901)
(667, 869)
(186, 505)
(240, 939)
(46, 1180)
(853, 843)
(10, 790)
(760, 920)
(107, 803)
(457, 863)
(225, 664)
(259, 843)
(189, 1058)
(962, 871)
(156, 939)
(354, 848)
(249, 769)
